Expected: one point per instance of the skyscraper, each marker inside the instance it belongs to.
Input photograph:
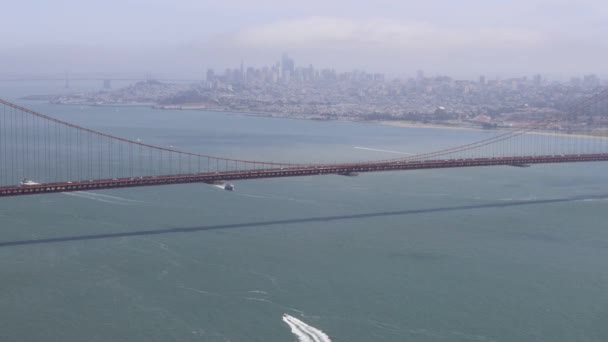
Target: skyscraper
(591, 81)
(210, 75)
(287, 66)
(420, 75)
(538, 80)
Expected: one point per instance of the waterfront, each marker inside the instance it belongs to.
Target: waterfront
(485, 254)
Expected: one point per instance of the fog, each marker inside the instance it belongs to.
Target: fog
(183, 38)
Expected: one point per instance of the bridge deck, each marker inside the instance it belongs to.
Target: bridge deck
(293, 172)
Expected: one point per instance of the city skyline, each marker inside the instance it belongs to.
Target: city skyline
(243, 68)
(241, 72)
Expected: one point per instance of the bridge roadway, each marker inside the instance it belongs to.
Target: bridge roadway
(312, 170)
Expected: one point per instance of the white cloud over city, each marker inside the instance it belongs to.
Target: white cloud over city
(381, 32)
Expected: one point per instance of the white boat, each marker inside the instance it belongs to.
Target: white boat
(223, 185)
(27, 182)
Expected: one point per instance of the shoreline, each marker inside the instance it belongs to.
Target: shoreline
(274, 115)
(414, 124)
(408, 124)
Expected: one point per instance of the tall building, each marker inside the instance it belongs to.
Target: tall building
(591, 81)
(287, 66)
(575, 81)
(210, 75)
(420, 75)
(379, 77)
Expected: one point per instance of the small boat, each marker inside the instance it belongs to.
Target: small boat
(27, 182)
(223, 185)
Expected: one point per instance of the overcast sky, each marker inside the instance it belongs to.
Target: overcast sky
(464, 38)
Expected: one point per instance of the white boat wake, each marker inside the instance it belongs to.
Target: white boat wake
(252, 196)
(102, 198)
(224, 186)
(303, 331)
(108, 196)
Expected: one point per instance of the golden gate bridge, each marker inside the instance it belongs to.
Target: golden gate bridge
(64, 157)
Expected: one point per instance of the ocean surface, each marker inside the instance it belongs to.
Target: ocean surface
(480, 254)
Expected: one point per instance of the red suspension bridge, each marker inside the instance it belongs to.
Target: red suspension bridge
(63, 157)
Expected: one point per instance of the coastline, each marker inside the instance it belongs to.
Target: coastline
(276, 115)
(312, 117)
(414, 124)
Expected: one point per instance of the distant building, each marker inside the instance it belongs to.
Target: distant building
(538, 80)
(575, 81)
(287, 66)
(420, 75)
(251, 74)
(210, 75)
(591, 81)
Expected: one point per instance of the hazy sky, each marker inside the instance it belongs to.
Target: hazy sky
(181, 37)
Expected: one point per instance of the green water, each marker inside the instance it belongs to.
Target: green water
(483, 254)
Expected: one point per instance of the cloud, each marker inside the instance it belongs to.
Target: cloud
(315, 32)
(375, 44)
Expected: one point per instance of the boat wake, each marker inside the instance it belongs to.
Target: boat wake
(224, 186)
(303, 331)
(109, 197)
(593, 199)
(102, 198)
(252, 196)
(281, 198)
